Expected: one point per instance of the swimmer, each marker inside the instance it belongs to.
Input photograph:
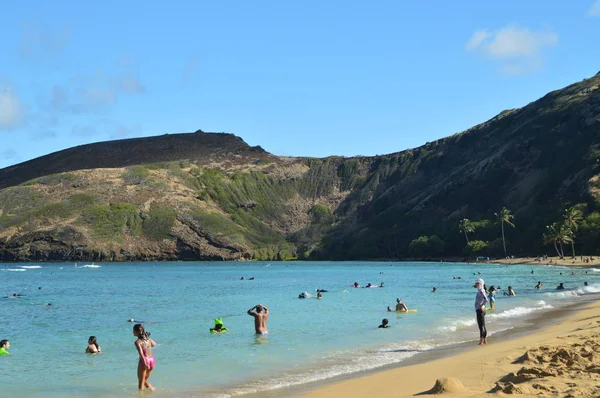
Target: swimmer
(511, 292)
(389, 309)
(381, 284)
(434, 290)
(146, 364)
(560, 287)
(319, 296)
(219, 328)
(93, 347)
(539, 285)
(4, 346)
(400, 306)
(261, 315)
(384, 324)
(585, 283)
(356, 284)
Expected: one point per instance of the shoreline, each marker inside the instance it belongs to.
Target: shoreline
(322, 388)
(478, 369)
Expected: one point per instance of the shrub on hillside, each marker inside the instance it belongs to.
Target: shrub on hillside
(158, 222)
(135, 175)
(426, 246)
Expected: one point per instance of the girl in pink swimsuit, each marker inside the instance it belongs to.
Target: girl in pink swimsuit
(146, 364)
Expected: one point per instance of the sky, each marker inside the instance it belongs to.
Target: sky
(309, 78)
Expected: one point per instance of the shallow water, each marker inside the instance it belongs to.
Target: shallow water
(309, 339)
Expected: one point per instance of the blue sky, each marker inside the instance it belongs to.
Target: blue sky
(310, 78)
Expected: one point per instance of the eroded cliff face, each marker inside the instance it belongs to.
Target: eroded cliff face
(210, 196)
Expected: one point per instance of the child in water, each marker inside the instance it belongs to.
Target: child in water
(146, 364)
(93, 347)
(219, 328)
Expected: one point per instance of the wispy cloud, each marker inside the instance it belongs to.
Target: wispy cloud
(594, 10)
(8, 157)
(519, 49)
(190, 68)
(40, 41)
(11, 109)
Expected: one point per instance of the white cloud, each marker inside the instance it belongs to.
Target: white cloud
(594, 10)
(519, 49)
(478, 37)
(11, 109)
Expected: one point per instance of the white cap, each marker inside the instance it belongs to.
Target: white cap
(480, 281)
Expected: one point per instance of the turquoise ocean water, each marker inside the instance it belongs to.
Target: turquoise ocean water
(309, 339)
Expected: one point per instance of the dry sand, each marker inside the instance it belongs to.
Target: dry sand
(561, 360)
(566, 261)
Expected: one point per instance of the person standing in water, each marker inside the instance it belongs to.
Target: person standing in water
(492, 297)
(480, 302)
(261, 315)
(146, 364)
(93, 347)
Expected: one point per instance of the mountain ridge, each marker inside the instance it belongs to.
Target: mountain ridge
(240, 202)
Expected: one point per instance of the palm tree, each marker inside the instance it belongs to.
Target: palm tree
(558, 233)
(466, 226)
(572, 217)
(504, 217)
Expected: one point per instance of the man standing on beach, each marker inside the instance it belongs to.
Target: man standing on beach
(261, 315)
(480, 302)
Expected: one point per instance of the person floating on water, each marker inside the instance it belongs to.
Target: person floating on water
(400, 306)
(356, 284)
(4, 346)
(539, 285)
(381, 284)
(434, 290)
(219, 328)
(146, 364)
(384, 324)
(480, 302)
(261, 315)
(561, 286)
(319, 296)
(93, 347)
(389, 309)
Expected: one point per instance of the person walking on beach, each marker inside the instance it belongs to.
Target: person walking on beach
(261, 315)
(146, 364)
(480, 302)
(4, 346)
(93, 347)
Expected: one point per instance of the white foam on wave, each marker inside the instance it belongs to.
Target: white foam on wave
(345, 362)
(30, 266)
(14, 269)
(91, 266)
(594, 269)
(520, 311)
(457, 325)
(595, 288)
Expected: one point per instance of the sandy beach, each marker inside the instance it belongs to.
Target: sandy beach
(562, 359)
(566, 261)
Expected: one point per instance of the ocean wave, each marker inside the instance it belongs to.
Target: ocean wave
(30, 266)
(595, 288)
(91, 266)
(520, 311)
(457, 325)
(13, 269)
(341, 363)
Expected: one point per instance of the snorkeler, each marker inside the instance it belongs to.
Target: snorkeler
(146, 364)
(261, 315)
